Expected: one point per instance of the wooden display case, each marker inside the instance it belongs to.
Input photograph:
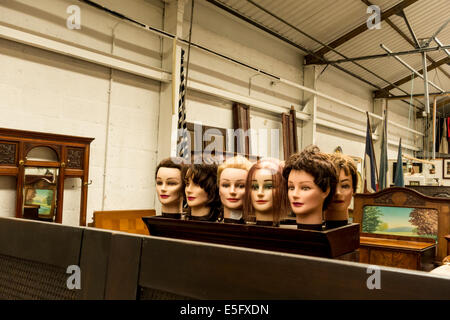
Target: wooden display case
(70, 160)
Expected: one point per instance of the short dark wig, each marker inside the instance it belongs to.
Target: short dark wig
(317, 164)
(204, 175)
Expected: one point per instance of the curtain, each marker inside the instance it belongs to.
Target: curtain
(241, 120)
(290, 139)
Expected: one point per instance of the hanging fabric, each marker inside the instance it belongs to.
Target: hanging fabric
(443, 148)
(439, 132)
(241, 120)
(289, 126)
(448, 130)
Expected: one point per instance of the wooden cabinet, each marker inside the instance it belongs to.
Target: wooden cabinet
(40, 162)
(396, 246)
(414, 255)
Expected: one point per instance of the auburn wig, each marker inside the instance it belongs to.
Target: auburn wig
(279, 193)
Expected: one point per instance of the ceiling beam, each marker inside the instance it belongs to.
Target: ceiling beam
(434, 65)
(311, 59)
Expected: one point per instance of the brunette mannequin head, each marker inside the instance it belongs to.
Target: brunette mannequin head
(201, 191)
(311, 181)
(265, 192)
(169, 186)
(337, 211)
(231, 178)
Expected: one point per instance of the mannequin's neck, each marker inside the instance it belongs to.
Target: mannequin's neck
(314, 217)
(331, 215)
(200, 211)
(172, 207)
(235, 214)
(264, 216)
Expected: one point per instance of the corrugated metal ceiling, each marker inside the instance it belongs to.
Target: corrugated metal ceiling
(327, 20)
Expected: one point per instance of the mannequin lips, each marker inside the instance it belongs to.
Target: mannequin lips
(191, 198)
(338, 201)
(261, 201)
(297, 204)
(164, 196)
(233, 199)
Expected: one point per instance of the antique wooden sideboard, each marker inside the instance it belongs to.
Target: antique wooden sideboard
(420, 251)
(40, 162)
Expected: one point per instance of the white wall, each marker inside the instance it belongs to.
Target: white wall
(49, 92)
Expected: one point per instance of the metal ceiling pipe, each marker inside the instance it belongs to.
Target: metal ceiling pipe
(399, 53)
(425, 83)
(434, 128)
(410, 68)
(442, 46)
(427, 43)
(325, 45)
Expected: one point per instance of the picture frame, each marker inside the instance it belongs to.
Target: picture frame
(44, 198)
(446, 169)
(414, 183)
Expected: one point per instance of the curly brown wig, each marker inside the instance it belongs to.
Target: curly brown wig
(279, 192)
(317, 164)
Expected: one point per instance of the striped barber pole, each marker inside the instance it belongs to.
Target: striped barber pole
(183, 146)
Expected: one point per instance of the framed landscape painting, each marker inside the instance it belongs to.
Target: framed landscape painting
(399, 221)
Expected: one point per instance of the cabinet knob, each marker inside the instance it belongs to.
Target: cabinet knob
(63, 164)
(21, 162)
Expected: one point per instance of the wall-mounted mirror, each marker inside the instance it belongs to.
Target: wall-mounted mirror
(40, 193)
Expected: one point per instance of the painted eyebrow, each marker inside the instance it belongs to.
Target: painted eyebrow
(343, 180)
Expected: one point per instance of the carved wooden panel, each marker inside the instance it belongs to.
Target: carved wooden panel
(8, 153)
(75, 158)
(384, 199)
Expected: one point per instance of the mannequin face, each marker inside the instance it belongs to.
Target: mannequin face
(168, 185)
(262, 191)
(232, 187)
(196, 196)
(344, 193)
(304, 195)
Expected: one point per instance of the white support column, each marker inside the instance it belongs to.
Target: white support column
(308, 128)
(168, 101)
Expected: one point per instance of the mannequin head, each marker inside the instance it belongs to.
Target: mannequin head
(201, 191)
(265, 192)
(311, 181)
(345, 189)
(231, 178)
(169, 185)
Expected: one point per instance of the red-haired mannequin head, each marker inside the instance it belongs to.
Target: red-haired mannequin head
(266, 192)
